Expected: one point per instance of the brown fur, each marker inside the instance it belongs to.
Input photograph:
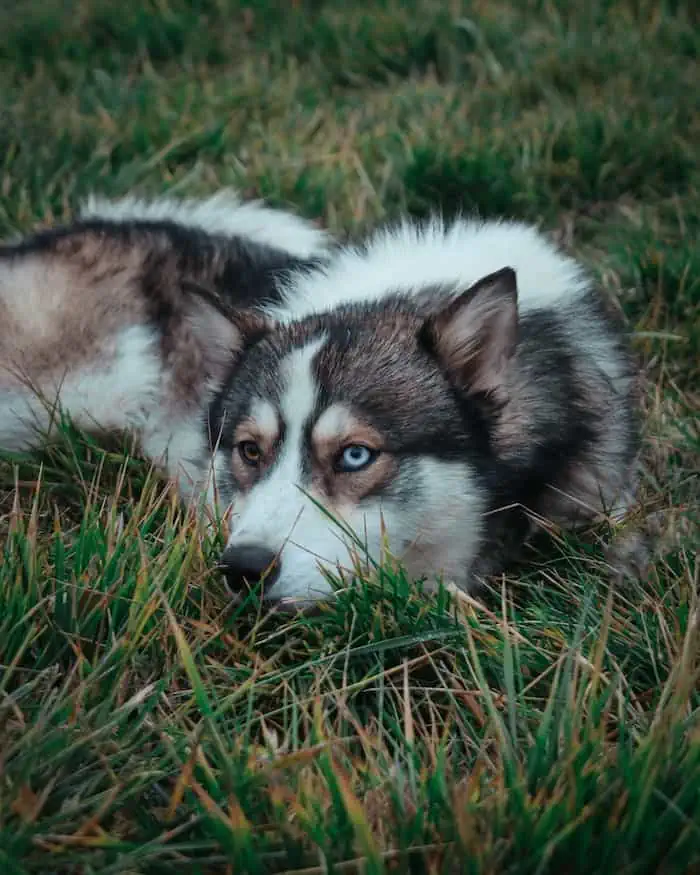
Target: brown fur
(57, 310)
(61, 309)
(331, 434)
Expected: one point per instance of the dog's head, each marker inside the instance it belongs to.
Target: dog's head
(372, 419)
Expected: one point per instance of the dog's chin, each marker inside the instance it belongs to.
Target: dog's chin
(286, 605)
(297, 607)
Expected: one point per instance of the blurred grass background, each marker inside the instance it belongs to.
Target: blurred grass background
(145, 725)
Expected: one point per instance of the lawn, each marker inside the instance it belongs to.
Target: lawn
(146, 726)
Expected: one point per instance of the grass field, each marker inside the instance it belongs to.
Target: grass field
(148, 727)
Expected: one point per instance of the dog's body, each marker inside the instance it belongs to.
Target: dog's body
(125, 318)
(436, 390)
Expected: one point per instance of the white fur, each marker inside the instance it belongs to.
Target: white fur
(410, 257)
(443, 535)
(177, 443)
(120, 392)
(224, 214)
(22, 419)
(333, 421)
(276, 509)
(301, 390)
(265, 417)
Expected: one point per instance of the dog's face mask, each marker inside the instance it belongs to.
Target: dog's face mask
(361, 431)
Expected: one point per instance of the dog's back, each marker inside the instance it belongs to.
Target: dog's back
(124, 316)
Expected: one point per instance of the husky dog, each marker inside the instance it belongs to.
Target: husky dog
(438, 390)
(129, 318)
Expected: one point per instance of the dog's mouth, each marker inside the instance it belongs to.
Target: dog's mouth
(288, 605)
(295, 607)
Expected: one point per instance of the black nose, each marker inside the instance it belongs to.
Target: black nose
(246, 565)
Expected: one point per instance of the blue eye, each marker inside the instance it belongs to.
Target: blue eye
(354, 458)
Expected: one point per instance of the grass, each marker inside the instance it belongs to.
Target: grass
(146, 726)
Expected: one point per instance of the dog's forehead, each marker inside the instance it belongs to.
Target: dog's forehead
(380, 371)
(367, 359)
(353, 337)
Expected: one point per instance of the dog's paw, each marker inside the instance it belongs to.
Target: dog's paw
(638, 545)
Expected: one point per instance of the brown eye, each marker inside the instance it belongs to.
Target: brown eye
(250, 452)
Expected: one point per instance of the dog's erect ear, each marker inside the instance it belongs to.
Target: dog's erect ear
(474, 336)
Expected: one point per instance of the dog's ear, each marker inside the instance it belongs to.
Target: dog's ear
(222, 332)
(474, 336)
(252, 326)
